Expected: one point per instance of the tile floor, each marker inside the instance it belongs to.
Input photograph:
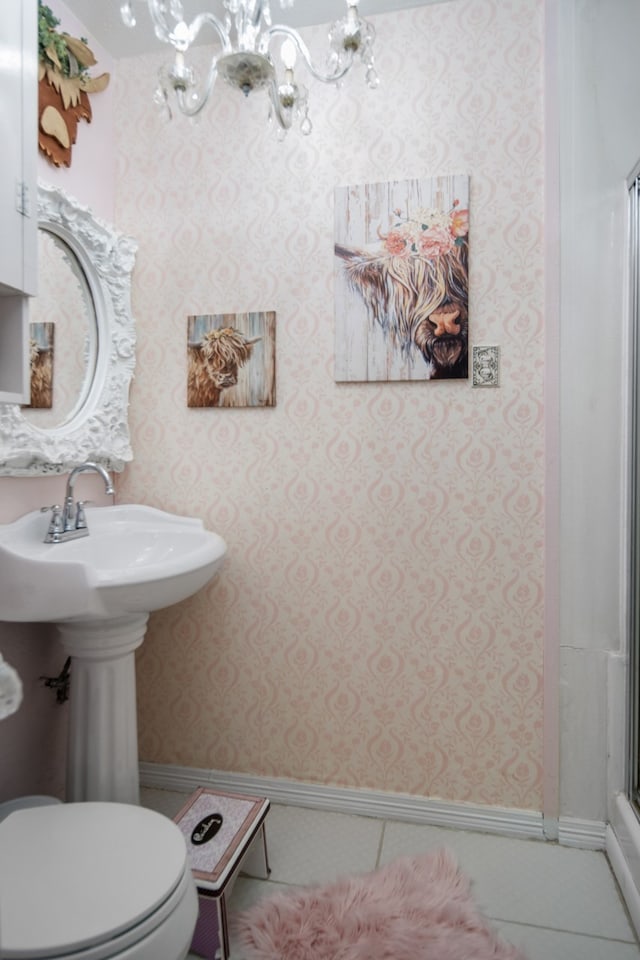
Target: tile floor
(556, 903)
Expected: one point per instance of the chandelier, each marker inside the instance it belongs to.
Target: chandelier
(253, 54)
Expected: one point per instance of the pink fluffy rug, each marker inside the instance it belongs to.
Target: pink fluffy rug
(416, 908)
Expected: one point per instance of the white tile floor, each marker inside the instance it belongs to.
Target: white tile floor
(555, 903)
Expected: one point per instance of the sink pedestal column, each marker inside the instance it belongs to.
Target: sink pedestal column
(102, 760)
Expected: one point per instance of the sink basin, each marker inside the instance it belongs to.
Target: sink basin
(136, 559)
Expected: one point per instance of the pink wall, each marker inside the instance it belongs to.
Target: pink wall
(32, 741)
(379, 622)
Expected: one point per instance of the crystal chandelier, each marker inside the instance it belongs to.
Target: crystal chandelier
(253, 54)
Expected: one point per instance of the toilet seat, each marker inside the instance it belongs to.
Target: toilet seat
(88, 879)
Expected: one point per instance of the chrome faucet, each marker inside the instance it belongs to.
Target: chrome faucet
(70, 522)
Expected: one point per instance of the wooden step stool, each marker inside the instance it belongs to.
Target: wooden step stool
(219, 829)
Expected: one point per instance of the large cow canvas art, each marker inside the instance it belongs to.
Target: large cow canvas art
(401, 280)
(231, 360)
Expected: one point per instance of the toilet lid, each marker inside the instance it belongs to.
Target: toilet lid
(76, 874)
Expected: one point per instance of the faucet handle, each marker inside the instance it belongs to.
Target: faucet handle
(81, 520)
(55, 524)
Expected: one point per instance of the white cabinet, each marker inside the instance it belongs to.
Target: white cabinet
(18, 192)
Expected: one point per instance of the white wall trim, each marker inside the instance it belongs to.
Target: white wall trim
(372, 803)
(623, 850)
(623, 875)
(587, 834)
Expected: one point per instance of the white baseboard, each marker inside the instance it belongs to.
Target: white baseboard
(587, 834)
(366, 803)
(621, 869)
(623, 851)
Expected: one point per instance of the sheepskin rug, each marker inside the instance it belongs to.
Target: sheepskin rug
(415, 908)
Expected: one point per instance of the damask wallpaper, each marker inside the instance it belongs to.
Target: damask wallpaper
(379, 620)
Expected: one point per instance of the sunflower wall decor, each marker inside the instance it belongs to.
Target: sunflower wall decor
(64, 85)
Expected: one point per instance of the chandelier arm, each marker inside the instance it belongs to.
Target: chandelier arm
(161, 28)
(284, 122)
(193, 108)
(281, 29)
(210, 19)
(168, 35)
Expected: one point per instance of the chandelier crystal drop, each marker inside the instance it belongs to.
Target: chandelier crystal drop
(253, 54)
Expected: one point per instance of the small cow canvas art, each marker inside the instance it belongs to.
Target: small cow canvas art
(401, 280)
(41, 365)
(231, 360)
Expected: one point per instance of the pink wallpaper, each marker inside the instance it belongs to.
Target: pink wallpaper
(379, 620)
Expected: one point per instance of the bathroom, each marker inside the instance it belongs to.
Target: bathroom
(423, 597)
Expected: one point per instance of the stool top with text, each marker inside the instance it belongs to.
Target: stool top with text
(218, 829)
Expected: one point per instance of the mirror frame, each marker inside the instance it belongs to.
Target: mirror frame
(99, 429)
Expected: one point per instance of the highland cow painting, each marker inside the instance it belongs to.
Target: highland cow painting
(401, 280)
(231, 360)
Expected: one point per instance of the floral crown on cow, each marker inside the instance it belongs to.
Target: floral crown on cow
(428, 233)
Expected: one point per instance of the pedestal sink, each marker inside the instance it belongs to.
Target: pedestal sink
(99, 591)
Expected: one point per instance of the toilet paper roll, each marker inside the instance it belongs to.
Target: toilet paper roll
(10, 690)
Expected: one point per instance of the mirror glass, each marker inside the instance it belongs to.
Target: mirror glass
(63, 334)
(82, 347)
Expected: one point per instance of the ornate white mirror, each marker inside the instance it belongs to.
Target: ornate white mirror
(82, 338)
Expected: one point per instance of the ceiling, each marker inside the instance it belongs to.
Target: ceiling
(102, 19)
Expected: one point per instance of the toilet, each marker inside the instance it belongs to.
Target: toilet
(94, 881)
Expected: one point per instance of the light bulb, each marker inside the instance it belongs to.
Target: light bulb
(289, 54)
(181, 35)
